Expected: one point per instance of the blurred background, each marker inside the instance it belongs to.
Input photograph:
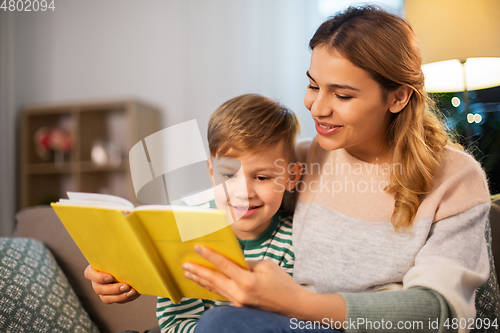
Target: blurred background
(81, 83)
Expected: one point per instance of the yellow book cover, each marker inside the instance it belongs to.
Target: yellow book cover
(146, 246)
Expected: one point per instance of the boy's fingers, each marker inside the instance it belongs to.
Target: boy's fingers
(130, 298)
(111, 288)
(96, 276)
(123, 298)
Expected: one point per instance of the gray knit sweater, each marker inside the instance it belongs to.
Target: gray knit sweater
(416, 280)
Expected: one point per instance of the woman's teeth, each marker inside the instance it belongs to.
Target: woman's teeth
(326, 127)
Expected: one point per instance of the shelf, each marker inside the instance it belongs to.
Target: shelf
(89, 166)
(115, 126)
(67, 167)
(49, 168)
(47, 188)
(110, 182)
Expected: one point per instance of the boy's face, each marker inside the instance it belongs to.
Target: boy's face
(255, 189)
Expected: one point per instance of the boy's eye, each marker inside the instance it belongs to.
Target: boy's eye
(262, 178)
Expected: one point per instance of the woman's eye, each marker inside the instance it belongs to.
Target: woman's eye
(344, 98)
(312, 87)
(228, 175)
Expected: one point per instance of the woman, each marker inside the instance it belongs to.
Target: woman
(389, 225)
(384, 156)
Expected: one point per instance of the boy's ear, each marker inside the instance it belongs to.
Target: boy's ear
(399, 98)
(294, 176)
(211, 171)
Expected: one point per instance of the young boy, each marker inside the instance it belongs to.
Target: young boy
(252, 146)
(260, 134)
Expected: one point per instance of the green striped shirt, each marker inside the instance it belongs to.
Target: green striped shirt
(274, 244)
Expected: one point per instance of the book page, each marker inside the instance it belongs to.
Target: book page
(102, 198)
(95, 204)
(176, 208)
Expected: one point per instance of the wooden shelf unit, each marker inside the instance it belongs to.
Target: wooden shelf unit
(123, 123)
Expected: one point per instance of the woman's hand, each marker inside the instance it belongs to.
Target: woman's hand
(265, 286)
(109, 290)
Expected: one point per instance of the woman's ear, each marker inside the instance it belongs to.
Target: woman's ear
(211, 171)
(294, 175)
(399, 98)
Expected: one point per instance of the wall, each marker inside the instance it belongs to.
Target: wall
(185, 56)
(7, 126)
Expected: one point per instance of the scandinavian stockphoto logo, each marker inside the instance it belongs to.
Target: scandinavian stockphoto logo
(170, 167)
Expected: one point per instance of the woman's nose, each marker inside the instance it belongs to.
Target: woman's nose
(321, 107)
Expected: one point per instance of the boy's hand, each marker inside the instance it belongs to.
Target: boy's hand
(109, 290)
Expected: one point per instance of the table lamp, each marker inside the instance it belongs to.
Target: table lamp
(460, 43)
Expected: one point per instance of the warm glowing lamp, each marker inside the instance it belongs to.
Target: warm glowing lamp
(460, 43)
(452, 75)
(455, 29)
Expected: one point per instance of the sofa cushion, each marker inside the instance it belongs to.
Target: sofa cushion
(495, 230)
(487, 296)
(35, 295)
(42, 223)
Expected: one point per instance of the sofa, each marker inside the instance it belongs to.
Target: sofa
(42, 224)
(83, 308)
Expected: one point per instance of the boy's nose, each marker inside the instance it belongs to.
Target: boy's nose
(244, 190)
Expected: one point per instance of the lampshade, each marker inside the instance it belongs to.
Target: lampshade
(448, 75)
(460, 42)
(455, 29)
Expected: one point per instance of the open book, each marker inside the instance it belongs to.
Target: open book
(146, 246)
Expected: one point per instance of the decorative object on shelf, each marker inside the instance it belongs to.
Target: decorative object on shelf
(98, 153)
(70, 132)
(54, 139)
(42, 146)
(61, 143)
(105, 153)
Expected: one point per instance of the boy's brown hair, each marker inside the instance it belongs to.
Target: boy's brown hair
(252, 123)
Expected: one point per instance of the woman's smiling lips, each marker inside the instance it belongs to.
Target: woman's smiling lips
(327, 129)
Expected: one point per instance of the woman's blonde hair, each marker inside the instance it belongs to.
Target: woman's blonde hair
(386, 47)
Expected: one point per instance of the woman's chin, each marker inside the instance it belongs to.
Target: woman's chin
(327, 143)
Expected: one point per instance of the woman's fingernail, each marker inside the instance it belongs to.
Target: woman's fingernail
(185, 266)
(198, 249)
(188, 275)
(108, 279)
(124, 288)
(131, 293)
